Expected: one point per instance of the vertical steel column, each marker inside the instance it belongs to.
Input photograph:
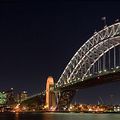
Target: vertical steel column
(119, 55)
(109, 59)
(108, 55)
(98, 65)
(104, 56)
(114, 57)
(104, 62)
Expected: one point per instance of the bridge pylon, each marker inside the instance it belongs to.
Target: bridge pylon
(50, 94)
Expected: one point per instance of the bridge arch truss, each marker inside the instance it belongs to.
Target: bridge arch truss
(93, 50)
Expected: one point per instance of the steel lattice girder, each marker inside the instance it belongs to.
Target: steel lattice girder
(89, 53)
(65, 99)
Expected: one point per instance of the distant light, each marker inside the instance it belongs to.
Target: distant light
(117, 67)
(90, 74)
(64, 108)
(24, 91)
(98, 77)
(105, 70)
(11, 88)
(113, 70)
(90, 109)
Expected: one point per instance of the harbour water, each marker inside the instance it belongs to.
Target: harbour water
(58, 116)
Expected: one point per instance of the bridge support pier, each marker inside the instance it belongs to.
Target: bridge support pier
(64, 99)
(50, 94)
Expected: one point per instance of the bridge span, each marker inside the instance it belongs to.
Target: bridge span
(96, 62)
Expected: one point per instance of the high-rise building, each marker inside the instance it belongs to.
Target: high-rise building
(23, 95)
(10, 95)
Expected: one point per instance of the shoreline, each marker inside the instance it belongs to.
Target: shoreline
(60, 112)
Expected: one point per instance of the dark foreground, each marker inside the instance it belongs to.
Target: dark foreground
(58, 116)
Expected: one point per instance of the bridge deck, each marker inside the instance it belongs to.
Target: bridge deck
(98, 80)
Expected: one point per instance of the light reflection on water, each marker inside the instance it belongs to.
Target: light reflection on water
(58, 116)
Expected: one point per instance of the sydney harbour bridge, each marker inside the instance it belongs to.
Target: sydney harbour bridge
(96, 62)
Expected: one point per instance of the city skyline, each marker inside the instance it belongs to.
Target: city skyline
(39, 39)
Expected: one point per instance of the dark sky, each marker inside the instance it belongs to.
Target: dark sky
(37, 39)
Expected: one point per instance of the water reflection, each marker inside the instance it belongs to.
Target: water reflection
(58, 116)
(16, 116)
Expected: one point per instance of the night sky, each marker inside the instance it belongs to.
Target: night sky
(38, 39)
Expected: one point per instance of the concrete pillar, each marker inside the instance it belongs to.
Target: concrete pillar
(50, 95)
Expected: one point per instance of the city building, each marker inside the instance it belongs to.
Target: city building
(23, 95)
(10, 96)
(3, 98)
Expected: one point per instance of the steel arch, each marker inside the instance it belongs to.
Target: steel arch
(89, 53)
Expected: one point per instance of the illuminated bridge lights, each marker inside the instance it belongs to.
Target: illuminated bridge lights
(87, 77)
(92, 51)
(92, 63)
(105, 70)
(100, 71)
(118, 67)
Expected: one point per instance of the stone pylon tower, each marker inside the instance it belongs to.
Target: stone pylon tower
(50, 95)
